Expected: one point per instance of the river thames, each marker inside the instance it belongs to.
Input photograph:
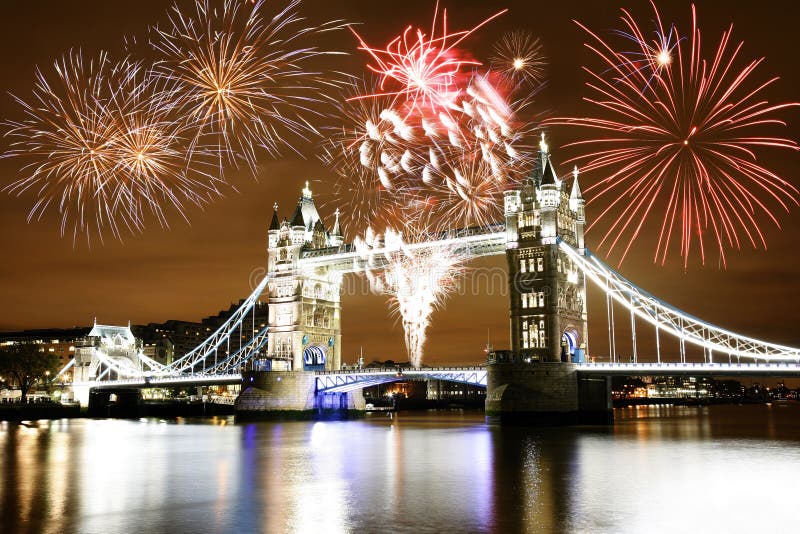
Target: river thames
(659, 469)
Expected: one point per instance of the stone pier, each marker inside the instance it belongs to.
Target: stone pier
(293, 395)
(546, 393)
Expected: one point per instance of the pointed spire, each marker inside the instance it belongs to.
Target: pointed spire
(543, 145)
(274, 224)
(297, 218)
(306, 191)
(336, 228)
(576, 190)
(549, 175)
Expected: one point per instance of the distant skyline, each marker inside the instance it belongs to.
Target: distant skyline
(194, 270)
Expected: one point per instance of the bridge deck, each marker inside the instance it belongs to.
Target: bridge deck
(343, 381)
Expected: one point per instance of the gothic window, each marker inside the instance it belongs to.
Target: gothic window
(522, 266)
(530, 265)
(541, 338)
(283, 254)
(540, 263)
(541, 325)
(524, 300)
(525, 339)
(541, 300)
(524, 324)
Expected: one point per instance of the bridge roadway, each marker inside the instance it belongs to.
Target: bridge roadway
(350, 380)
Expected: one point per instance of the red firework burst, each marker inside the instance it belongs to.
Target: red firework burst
(419, 68)
(679, 135)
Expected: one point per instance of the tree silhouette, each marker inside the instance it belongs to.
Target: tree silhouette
(26, 364)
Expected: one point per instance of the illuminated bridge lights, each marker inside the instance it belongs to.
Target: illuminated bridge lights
(215, 360)
(344, 381)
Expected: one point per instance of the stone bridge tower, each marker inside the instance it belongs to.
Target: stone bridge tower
(547, 291)
(305, 330)
(541, 383)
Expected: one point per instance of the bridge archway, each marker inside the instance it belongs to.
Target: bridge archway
(314, 357)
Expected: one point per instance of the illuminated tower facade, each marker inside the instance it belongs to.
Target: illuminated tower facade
(304, 303)
(547, 291)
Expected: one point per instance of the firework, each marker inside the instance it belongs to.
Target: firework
(243, 78)
(96, 146)
(520, 55)
(679, 141)
(422, 70)
(417, 279)
(449, 169)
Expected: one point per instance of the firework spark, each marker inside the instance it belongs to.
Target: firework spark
(423, 69)
(245, 78)
(97, 146)
(520, 55)
(680, 141)
(417, 279)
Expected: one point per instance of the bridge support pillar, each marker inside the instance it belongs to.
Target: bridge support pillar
(546, 393)
(293, 395)
(122, 403)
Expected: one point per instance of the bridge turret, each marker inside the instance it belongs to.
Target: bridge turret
(577, 205)
(274, 228)
(549, 193)
(336, 238)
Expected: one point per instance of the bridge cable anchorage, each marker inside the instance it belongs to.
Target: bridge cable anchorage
(672, 320)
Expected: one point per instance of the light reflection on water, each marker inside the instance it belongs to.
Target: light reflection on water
(658, 469)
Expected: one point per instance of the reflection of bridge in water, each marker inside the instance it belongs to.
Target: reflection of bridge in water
(294, 363)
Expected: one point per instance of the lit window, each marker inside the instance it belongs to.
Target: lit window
(522, 266)
(540, 264)
(524, 300)
(559, 264)
(541, 300)
(530, 265)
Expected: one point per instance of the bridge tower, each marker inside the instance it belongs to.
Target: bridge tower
(304, 304)
(547, 291)
(540, 383)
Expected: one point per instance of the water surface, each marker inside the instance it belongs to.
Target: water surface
(678, 469)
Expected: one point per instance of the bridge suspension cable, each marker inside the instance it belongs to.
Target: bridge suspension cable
(667, 318)
(241, 356)
(199, 355)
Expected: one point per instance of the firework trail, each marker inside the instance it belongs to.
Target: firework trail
(97, 146)
(679, 136)
(417, 279)
(520, 56)
(244, 77)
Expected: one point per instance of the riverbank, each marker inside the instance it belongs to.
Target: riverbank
(34, 411)
(691, 401)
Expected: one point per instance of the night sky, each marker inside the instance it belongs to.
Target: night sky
(193, 270)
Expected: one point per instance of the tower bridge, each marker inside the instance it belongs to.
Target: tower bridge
(294, 363)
